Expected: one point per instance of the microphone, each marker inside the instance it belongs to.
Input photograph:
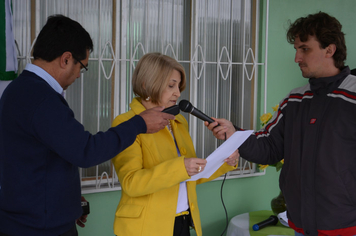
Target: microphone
(272, 220)
(186, 106)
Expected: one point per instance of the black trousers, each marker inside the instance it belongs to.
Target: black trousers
(72, 232)
(181, 226)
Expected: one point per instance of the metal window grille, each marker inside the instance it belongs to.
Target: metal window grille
(217, 42)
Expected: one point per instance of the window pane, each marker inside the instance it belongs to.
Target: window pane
(223, 38)
(213, 40)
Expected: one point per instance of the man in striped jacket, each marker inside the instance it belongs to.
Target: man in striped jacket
(314, 130)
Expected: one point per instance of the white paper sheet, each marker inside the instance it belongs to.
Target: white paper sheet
(216, 158)
(283, 218)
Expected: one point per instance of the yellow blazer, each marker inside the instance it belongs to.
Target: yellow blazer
(150, 172)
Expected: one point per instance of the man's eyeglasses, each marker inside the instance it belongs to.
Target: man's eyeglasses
(84, 67)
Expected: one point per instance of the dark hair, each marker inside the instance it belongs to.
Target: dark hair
(325, 28)
(61, 34)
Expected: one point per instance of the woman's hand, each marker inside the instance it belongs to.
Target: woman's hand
(194, 165)
(233, 160)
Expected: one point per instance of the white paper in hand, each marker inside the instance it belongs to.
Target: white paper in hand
(216, 158)
(283, 218)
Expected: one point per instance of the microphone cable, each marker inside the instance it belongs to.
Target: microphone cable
(222, 201)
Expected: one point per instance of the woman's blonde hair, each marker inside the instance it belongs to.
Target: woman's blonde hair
(152, 73)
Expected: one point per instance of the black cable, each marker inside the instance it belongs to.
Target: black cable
(222, 201)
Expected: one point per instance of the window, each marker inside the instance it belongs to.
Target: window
(216, 41)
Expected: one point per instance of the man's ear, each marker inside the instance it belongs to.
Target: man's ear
(64, 59)
(330, 50)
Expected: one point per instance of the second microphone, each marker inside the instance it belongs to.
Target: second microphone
(186, 106)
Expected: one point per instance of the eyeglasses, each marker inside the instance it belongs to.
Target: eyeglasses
(84, 67)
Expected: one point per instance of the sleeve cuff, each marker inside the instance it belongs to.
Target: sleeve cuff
(140, 124)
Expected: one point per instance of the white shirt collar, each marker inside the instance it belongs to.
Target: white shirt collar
(45, 76)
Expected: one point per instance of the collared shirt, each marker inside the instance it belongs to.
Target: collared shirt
(46, 77)
(182, 204)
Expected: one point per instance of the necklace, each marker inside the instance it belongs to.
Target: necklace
(170, 127)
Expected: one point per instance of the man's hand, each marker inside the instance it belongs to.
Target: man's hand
(233, 159)
(83, 219)
(155, 119)
(225, 126)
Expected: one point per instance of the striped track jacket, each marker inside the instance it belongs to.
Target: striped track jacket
(314, 130)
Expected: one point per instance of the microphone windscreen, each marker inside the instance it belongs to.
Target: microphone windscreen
(185, 106)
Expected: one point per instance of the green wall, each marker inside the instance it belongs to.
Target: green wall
(252, 193)
(283, 73)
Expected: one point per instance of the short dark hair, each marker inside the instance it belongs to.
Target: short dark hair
(61, 34)
(325, 28)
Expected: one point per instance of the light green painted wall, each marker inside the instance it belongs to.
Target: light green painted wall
(283, 73)
(253, 193)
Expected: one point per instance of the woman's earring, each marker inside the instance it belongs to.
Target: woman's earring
(148, 98)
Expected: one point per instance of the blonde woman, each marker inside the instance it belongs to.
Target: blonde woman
(156, 199)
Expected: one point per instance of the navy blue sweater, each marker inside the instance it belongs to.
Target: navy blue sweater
(41, 147)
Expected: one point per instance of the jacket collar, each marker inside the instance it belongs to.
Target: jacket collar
(137, 107)
(325, 85)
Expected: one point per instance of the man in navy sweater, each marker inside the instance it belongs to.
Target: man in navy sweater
(42, 144)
